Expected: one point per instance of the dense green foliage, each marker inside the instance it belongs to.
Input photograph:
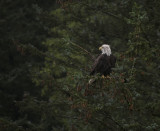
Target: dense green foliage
(47, 52)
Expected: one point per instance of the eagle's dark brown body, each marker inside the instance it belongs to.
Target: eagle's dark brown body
(103, 65)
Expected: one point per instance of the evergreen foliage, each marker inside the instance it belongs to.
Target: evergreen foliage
(48, 49)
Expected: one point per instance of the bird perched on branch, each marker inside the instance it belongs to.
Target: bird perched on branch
(104, 63)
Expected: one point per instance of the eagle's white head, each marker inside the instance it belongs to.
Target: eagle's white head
(105, 49)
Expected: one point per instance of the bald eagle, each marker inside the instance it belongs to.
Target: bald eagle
(104, 63)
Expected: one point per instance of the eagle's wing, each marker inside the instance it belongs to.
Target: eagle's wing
(96, 65)
(103, 64)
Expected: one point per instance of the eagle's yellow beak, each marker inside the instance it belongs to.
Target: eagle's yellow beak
(100, 48)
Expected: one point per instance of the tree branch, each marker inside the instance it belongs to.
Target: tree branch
(87, 52)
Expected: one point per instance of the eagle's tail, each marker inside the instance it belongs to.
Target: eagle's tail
(91, 81)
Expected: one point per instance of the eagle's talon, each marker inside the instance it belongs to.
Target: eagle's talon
(108, 77)
(103, 77)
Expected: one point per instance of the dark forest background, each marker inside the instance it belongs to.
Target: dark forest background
(44, 65)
